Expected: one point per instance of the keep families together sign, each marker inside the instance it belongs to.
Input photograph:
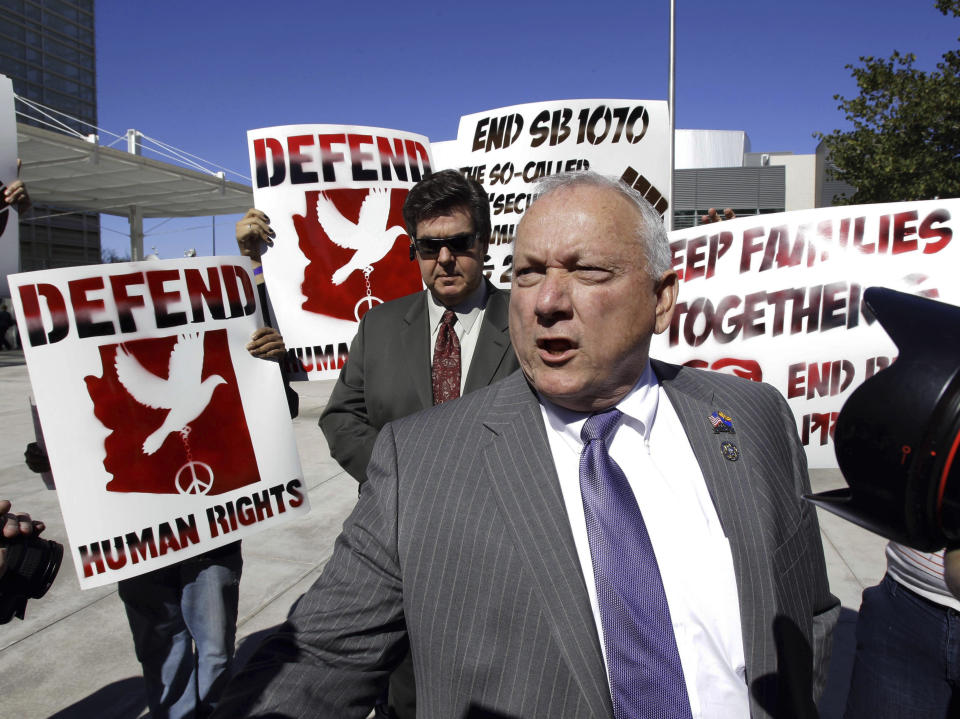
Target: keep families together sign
(779, 298)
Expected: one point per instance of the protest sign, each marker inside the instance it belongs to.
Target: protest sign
(779, 298)
(334, 195)
(509, 149)
(9, 220)
(166, 438)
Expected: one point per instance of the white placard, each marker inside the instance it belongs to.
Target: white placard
(334, 195)
(509, 149)
(779, 298)
(166, 437)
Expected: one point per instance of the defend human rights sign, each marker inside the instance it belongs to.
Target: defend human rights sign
(166, 438)
(334, 195)
(779, 298)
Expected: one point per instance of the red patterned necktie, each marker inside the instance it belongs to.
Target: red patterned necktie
(446, 361)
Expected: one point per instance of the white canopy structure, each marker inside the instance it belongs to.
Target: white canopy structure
(79, 174)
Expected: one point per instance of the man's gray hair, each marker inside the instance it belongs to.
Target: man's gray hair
(650, 229)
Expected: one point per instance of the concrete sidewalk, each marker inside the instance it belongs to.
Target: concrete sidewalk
(73, 656)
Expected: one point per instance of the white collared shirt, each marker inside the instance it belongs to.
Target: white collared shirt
(469, 321)
(693, 554)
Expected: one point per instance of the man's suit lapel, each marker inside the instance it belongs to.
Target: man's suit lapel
(492, 343)
(734, 495)
(414, 344)
(521, 470)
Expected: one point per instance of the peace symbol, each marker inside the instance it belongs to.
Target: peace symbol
(369, 301)
(192, 483)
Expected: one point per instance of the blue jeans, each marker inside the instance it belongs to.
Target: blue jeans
(907, 663)
(184, 623)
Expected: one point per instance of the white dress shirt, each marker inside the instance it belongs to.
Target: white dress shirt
(692, 552)
(469, 321)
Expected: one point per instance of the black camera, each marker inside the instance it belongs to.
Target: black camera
(897, 437)
(32, 565)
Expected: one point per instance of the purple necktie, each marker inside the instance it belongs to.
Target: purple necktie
(446, 361)
(646, 677)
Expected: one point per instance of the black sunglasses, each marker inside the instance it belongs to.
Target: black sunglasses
(429, 247)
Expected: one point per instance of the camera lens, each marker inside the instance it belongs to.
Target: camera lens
(898, 435)
(32, 565)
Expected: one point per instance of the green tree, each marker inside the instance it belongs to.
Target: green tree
(109, 255)
(905, 141)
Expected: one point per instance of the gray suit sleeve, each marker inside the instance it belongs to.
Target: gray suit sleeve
(332, 656)
(345, 421)
(826, 607)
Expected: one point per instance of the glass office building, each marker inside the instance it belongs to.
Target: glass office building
(47, 48)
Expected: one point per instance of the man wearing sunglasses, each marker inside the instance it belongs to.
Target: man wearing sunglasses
(396, 367)
(426, 348)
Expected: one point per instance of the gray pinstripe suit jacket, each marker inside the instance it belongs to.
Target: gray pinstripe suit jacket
(461, 547)
(388, 373)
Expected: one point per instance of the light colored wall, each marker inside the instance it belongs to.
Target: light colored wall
(800, 180)
(694, 149)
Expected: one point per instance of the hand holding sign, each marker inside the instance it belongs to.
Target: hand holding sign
(253, 232)
(713, 216)
(15, 194)
(266, 343)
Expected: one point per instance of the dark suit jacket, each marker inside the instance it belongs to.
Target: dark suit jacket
(387, 375)
(460, 546)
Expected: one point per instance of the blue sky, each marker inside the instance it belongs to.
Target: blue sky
(198, 75)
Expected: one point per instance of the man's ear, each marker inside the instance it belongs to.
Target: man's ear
(413, 252)
(665, 289)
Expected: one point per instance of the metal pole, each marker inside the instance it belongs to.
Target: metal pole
(671, 101)
(135, 147)
(135, 217)
(134, 144)
(213, 226)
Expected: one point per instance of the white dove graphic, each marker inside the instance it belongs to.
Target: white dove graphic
(369, 236)
(182, 393)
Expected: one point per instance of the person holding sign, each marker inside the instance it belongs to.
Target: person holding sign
(599, 535)
(163, 367)
(183, 618)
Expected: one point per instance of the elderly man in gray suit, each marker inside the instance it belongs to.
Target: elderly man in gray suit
(597, 536)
